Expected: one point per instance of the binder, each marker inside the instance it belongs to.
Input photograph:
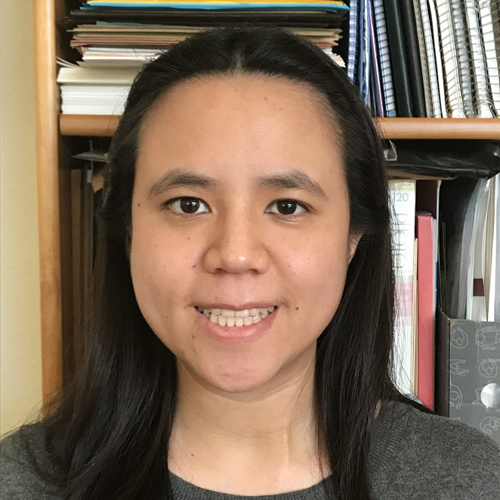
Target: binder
(413, 58)
(384, 58)
(454, 99)
(398, 58)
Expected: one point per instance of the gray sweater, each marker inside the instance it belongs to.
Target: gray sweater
(413, 456)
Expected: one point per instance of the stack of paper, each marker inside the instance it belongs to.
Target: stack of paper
(116, 38)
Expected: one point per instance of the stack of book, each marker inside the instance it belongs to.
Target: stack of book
(426, 58)
(446, 243)
(115, 38)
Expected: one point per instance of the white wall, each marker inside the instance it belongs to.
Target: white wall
(20, 356)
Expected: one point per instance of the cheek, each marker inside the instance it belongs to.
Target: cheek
(317, 273)
(162, 270)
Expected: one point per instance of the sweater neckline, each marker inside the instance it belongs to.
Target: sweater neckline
(387, 432)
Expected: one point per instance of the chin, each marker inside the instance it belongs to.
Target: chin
(236, 379)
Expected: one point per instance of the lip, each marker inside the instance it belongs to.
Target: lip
(235, 333)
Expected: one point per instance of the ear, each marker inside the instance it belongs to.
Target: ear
(353, 244)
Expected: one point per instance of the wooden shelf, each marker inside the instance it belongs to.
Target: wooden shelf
(390, 128)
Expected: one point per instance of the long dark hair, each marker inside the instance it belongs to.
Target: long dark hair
(109, 435)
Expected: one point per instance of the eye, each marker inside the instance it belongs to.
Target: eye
(286, 207)
(187, 205)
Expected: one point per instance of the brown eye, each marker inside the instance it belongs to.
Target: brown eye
(286, 207)
(190, 205)
(186, 205)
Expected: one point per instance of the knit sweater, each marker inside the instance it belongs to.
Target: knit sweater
(413, 455)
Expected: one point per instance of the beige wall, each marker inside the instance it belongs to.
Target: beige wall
(20, 382)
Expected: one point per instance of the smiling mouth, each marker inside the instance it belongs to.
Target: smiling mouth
(228, 317)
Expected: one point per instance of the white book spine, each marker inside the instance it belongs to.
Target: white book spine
(402, 196)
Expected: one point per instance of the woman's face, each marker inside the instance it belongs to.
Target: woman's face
(240, 207)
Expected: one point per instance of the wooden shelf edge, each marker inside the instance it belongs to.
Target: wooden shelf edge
(88, 125)
(439, 128)
(389, 128)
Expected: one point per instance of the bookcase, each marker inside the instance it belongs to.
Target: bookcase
(60, 136)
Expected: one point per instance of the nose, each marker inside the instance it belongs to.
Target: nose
(237, 247)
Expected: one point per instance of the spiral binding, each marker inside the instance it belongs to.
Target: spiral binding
(490, 16)
(483, 103)
(454, 96)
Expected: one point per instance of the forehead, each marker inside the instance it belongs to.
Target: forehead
(239, 122)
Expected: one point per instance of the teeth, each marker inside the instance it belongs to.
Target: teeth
(228, 317)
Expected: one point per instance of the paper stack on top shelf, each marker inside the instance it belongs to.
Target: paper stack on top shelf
(115, 39)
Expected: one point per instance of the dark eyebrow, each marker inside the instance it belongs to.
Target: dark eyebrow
(180, 178)
(291, 179)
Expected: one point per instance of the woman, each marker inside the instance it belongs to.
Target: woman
(241, 338)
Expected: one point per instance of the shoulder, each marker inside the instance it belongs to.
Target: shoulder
(20, 452)
(441, 458)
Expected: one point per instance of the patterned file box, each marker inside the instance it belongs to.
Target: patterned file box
(468, 372)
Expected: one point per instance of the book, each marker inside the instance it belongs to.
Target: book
(402, 197)
(93, 99)
(425, 277)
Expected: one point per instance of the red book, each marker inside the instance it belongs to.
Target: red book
(425, 277)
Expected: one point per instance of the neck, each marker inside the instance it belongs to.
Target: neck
(271, 431)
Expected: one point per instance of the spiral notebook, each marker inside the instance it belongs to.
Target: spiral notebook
(489, 12)
(423, 59)
(384, 58)
(431, 59)
(463, 60)
(352, 55)
(454, 97)
(483, 102)
(439, 60)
